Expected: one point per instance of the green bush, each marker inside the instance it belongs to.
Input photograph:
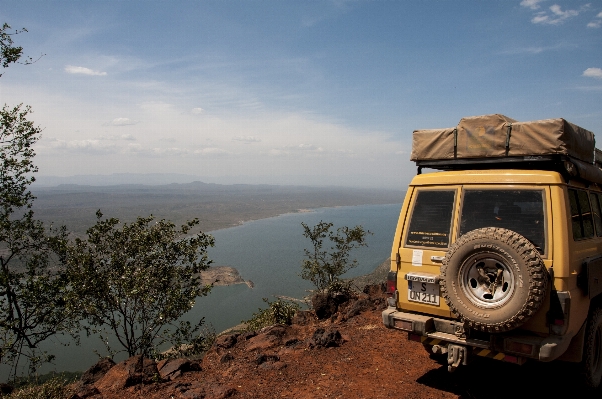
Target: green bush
(278, 312)
(324, 267)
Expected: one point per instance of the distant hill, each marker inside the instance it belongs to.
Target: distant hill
(217, 206)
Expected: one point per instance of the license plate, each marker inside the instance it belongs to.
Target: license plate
(423, 292)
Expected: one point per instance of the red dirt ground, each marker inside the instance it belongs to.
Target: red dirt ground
(373, 362)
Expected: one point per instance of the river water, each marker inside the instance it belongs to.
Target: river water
(269, 253)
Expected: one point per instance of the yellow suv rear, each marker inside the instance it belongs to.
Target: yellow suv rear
(501, 256)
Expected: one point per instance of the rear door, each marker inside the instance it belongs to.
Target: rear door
(427, 236)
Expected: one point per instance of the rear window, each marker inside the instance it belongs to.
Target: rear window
(521, 211)
(430, 224)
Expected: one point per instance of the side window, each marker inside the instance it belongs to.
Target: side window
(595, 200)
(581, 215)
(430, 224)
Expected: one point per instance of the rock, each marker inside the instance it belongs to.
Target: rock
(219, 392)
(132, 371)
(277, 330)
(247, 335)
(303, 317)
(326, 339)
(359, 306)
(226, 341)
(97, 371)
(262, 358)
(85, 391)
(210, 392)
(226, 358)
(263, 341)
(292, 342)
(197, 393)
(273, 366)
(325, 305)
(173, 368)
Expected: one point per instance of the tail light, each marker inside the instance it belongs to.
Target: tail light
(391, 283)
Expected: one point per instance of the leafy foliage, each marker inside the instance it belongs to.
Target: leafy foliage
(136, 280)
(33, 286)
(188, 341)
(277, 312)
(9, 53)
(325, 267)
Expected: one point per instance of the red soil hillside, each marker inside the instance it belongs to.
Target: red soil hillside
(351, 355)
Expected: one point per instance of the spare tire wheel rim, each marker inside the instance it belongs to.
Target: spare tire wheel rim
(487, 280)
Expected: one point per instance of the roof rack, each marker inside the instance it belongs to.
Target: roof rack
(570, 168)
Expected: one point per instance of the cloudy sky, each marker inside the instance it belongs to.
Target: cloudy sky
(316, 92)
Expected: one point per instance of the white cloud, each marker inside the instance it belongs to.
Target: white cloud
(122, 122)
(597, 22)
(247, 139)
(211, 151)
(532, 4)
(304, 147)
(83, 146)
(197, 111)
(127, 137)
(593, 73)
(83, 71)
(556, 15)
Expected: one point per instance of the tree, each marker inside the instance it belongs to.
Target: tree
(324, 268)
(32, 285)
(10, 54)
(136, 280)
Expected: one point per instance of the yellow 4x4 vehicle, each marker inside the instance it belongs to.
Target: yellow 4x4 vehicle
(499, 253)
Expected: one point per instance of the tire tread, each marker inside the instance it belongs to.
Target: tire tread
(529, 255)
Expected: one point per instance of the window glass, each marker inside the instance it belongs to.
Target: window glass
(581, 214)
(521, 211)
(575, 215)
(586, 214)
(430, 223)
(595, 200)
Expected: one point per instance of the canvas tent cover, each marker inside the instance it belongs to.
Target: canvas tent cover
(499, 136)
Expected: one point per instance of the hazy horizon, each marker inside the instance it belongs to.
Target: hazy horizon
(155, 179)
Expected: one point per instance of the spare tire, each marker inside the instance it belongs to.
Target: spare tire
(493, 279)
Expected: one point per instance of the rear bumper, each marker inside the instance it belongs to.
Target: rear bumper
(519, 344)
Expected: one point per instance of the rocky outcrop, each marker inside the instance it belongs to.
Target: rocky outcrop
(234, 358)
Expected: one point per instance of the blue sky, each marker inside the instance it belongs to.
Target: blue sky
(284, 92)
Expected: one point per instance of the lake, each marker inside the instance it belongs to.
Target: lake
(269, 253)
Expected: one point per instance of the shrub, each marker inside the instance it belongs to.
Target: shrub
(324, 268)
(278, 312)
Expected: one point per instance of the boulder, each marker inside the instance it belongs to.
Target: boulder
(325, 304)
(226, 341)
(326, 338)
(170, 369)
(132, 371)
(97, 371)
(359, 306)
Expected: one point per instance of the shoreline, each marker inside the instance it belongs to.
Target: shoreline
(301, 210)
